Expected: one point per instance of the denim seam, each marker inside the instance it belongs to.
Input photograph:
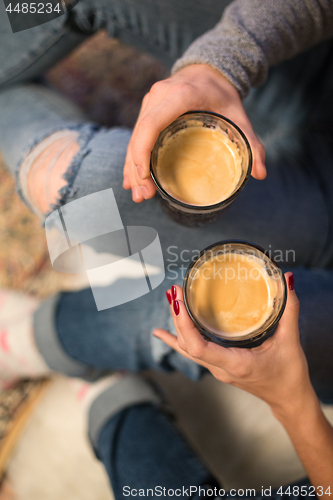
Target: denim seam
(86, 133)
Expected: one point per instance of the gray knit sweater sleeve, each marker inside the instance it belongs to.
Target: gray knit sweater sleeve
(256, 34)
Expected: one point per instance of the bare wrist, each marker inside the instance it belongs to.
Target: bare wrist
(298, 409)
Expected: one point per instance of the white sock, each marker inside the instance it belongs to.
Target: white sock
(19, 356)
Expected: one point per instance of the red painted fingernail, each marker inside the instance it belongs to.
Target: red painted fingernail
(168, 295)
(291, 282)
(174, 292)
(176, 307)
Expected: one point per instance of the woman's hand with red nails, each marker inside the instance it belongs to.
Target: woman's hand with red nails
(276, 371)
(196, 87)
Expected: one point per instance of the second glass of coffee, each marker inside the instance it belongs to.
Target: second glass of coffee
(200, 163)
(235, 293)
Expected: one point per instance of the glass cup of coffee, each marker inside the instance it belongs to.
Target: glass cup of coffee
(235, 293)
(199, 164)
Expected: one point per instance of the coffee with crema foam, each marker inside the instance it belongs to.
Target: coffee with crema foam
(199, 166)
(232, 294)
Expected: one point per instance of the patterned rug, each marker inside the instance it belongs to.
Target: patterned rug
(107, 79)
(16, 405)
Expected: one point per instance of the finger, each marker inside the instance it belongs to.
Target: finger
(126, 182)
(191, 340)
(177, 292)
(289, 321)
(127, 171)
(148, 103)
(144, 189)
(136, 194)
(130, 175)
(258, 165)
(147, 186)
(195, 344)
(145, 103)
(258, 150)
(172, 341)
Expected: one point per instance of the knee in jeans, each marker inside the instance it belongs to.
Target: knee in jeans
(42, 172)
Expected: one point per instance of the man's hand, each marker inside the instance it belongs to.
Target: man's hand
(196, 87)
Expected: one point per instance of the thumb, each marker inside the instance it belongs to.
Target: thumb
(258, 150)
(289, 320)
(258, 168)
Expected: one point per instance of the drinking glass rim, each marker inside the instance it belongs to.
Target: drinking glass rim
(231, 341)
(233, 195)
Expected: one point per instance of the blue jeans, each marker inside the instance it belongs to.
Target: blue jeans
(289, 213)
(141, 449)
